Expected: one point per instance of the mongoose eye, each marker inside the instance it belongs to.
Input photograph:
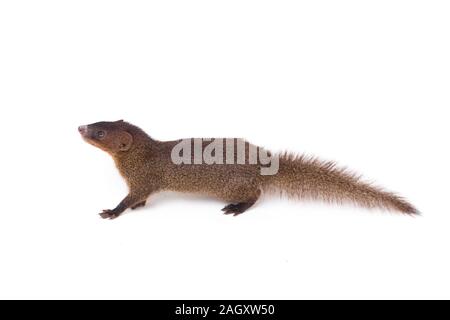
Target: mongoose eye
(101, 134)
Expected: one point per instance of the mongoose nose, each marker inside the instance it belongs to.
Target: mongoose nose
(82, 129)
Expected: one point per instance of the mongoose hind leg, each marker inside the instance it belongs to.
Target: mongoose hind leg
(237, 208)
(240, 207)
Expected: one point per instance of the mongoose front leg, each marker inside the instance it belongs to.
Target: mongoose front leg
(129, 202)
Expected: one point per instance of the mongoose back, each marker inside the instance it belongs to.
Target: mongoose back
(148, 167)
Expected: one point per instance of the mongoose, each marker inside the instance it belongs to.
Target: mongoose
(148, 167)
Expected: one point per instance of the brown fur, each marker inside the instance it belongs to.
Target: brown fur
(147, 167)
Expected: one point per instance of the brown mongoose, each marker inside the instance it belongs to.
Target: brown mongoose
(148, 167)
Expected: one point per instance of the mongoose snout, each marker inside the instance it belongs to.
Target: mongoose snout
(82, 129)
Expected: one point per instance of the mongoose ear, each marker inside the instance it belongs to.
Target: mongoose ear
(125, 141)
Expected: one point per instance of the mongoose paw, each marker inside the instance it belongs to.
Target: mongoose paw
(234, 209)
(108, 214)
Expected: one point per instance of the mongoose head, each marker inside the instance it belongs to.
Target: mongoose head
(112, 137)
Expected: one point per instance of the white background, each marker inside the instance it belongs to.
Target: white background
(365, 83)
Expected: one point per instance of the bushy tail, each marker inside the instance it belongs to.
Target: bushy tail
(308, 178)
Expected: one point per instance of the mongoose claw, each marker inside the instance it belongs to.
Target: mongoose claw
(108, 214)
